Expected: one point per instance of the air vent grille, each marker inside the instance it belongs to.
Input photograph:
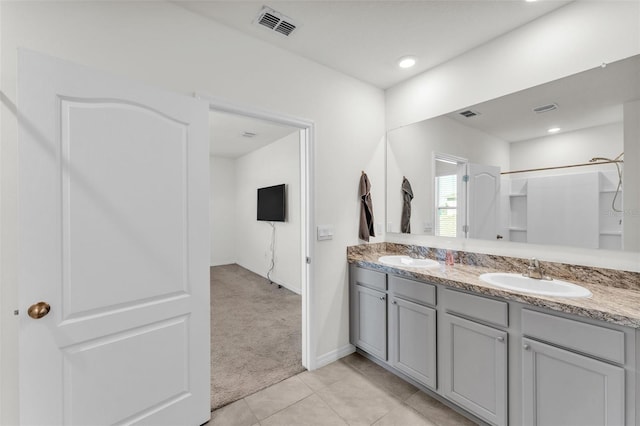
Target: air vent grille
(269, 20)
(469, 113)
(545, 108)
(275, 21)
(285, 28)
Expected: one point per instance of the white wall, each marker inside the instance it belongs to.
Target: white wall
(163, 45)
(631, 180)
(222, 210)
(410, 154)
(568, 148)
(576, 37)
(274, 164)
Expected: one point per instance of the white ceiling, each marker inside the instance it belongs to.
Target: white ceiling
(591, 98)
(226, 134)
(365, 39)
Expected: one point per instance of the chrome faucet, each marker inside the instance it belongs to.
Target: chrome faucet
(535, 270)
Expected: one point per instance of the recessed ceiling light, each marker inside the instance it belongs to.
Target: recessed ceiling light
(406, 62)
(554, 130)
(530, 1)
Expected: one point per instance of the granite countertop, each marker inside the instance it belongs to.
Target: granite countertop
(614, 302)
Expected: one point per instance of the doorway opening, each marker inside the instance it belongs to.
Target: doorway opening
(251, 150)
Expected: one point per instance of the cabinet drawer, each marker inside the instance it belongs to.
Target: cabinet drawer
(477, 307)
(369, 278)
(413, 290)
(589, 339)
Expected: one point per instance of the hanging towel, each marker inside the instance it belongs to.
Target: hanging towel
(407, 195)
(366, 209)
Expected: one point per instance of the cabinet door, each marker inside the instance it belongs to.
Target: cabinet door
(412, 340)
(370, 320)
(475, 368)
(564, 388)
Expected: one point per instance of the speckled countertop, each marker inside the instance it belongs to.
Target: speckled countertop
(616, 294)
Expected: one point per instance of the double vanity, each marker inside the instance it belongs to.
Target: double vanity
(498, 346)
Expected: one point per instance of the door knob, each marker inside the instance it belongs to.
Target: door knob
(39, 310)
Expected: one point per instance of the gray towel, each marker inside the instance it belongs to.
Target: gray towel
(407, 195)
(366, 209)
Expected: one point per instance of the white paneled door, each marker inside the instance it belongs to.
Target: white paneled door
(483, 201)
(113, 199)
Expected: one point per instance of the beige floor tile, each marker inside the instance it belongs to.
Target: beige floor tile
(358, 401)
(355, 360)
(327, 375)
(234, 414)
(311, 411)
(385, 380)
(436, 412)
(279, 396)
(403, 416)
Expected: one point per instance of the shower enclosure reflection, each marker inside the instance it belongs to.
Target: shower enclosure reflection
(564, 188)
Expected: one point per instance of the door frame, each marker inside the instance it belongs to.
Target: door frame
(307, 137)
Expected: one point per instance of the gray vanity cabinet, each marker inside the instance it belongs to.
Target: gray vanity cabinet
(474, 356)
(564, 388)
(412, 329)
(562, 381)
(368, 311)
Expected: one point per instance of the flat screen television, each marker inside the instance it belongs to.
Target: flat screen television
(271, 203)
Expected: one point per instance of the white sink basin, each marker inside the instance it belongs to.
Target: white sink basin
(518, 282)
(407, 261)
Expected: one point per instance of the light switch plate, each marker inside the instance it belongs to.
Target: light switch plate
(325, 232)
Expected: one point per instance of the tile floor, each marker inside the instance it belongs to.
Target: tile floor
(351, 391)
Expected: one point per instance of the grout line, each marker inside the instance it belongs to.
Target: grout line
(331, 408)
(290, 405)
(249, 407)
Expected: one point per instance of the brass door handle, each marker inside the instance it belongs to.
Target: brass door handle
(39, 310)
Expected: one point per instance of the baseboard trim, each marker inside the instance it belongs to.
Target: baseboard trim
(282, 284)
(334, 355)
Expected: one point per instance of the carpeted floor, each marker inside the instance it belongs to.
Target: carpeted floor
(255, 334)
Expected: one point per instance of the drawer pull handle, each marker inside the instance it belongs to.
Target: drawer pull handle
(526, 347)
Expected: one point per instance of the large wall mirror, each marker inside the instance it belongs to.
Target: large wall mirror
(545, 165)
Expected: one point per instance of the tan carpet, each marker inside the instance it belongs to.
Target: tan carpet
(255, 334)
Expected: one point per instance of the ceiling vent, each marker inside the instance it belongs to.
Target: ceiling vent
(249, 134)
(275, 21)
(469, 113)
(545, 108)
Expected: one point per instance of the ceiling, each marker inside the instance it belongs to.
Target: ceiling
(226, 134)
(364, 39)
(587, 99)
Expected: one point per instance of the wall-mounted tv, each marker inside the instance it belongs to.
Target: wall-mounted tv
(272, 203)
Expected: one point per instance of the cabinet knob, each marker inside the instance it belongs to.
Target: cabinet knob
(382, 298)
(394, 302)
(500, 339)
(526, 347)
